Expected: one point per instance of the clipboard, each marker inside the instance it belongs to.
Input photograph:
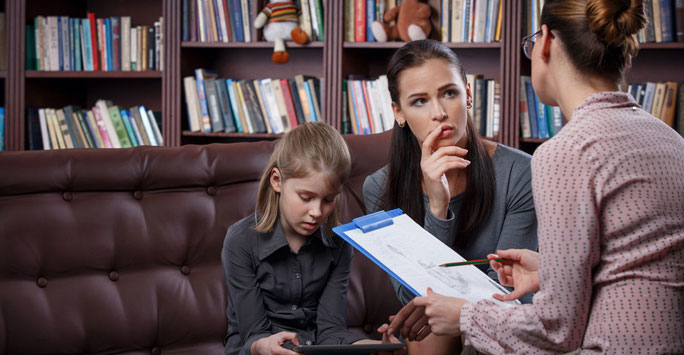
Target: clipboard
(411, 255)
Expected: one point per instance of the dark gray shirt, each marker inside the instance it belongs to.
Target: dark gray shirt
(511, 224)
(273, 289)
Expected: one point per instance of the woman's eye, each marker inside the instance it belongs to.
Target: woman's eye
(450, 93)
(305, 198)
(419, 102)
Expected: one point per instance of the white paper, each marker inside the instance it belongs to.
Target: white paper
(414, 256)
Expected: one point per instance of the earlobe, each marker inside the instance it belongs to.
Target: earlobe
(275, 180)
(398, 115)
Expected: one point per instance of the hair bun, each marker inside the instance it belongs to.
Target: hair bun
(613, 21)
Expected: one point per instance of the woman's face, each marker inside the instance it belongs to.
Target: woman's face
(434, 95)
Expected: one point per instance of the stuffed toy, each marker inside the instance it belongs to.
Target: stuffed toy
(412, 23)
(280, 22)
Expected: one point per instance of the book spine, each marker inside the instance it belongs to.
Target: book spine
(360, 21)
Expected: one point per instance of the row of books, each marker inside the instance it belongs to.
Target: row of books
(486, 108)
(537, 120)
(367, 105)
(103, 126)
(360, 14)
(250, 106)
(62, 43)
(471, 20)
(2, 128)
(665, 20)
(663, 100)
(230, 20)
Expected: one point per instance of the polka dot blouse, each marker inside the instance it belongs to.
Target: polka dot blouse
(609, 195)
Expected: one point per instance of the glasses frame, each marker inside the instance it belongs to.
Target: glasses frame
(528, 44)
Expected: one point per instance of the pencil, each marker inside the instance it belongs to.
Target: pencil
(471, 262)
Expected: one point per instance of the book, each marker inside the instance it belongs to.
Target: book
(130, 133)
(102, 110)
(263, 107)
(668, 109)
(213, 105)
(125, 43)
(119, 127)
(135, 113)
(239, 126)
(101, 126)
(35, 140)
(148, 125)
(45, 133)
(200, 76)
(155, 120)
(89, 118)
(224, 105)
(411, 255)
(192, 104)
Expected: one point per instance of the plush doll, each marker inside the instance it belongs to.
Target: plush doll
(412, 23)
(280, 22)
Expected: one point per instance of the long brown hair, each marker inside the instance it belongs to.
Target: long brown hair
(599, 35)
(313, 147)
(404, 178)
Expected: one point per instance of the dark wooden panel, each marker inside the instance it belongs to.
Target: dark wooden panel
(142, 12)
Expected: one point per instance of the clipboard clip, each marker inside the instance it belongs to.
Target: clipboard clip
(373, 221)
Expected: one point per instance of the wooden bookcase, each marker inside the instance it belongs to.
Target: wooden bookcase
(331, 59)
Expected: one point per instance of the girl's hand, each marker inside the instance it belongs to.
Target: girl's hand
(390, 339)
(273, 345)
(434, 165)
(519, 271)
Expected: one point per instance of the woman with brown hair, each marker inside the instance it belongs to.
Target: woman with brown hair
(609, 197)
(472, 194)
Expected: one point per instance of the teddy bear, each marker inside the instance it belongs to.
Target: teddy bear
(412, 22)
(279, 18)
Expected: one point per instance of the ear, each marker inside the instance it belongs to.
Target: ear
(545, 42)
(398, 115)
(276, 180)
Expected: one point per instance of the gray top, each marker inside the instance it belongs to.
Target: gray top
(272, 289)
(511, 224)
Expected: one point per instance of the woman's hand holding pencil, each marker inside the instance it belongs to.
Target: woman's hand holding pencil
(516, 268)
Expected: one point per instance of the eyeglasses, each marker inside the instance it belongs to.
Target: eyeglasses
(528, 44)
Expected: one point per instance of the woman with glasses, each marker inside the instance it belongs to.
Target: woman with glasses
(609, 196)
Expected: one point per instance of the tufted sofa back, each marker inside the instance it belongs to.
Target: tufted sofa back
(118, 251)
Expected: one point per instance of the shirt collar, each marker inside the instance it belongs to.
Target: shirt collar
(601, 100)
(275, 239)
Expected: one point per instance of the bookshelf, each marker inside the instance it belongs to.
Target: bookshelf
(655, 62)
(332, 59)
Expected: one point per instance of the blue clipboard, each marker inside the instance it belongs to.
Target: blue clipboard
(369, 223)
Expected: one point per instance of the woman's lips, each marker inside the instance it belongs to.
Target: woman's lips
(446, 131)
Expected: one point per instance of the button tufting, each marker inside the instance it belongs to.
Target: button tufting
(42, 282)
(211, 190)
(67, 196)
(368, 328)
(138, 195)
(185, 270)
(114, 276)
(156, 351)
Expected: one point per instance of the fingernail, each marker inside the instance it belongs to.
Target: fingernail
(390, 331)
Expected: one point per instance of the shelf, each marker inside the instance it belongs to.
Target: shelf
(670, 45)
(150, 74)
(453, 45)
(232, 135)
(288, 44)
(533, 140)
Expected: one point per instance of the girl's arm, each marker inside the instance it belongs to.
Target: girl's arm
(243, 291)
(331, 318)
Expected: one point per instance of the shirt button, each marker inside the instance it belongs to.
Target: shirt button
(308, 342)
(298, 275)
(294, 306)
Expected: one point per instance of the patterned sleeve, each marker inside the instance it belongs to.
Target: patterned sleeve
(563, 177)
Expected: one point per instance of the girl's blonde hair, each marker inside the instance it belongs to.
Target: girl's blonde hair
(310, 148)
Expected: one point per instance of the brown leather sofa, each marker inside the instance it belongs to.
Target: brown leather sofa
(118, 251)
